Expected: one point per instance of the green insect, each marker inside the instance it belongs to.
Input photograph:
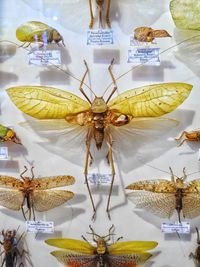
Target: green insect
(7, 134)
(36, 31)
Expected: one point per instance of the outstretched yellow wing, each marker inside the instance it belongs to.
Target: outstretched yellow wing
(43, 102)
(131, 247)
(75, 245)
(152, 100)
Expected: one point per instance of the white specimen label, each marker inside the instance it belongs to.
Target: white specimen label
(100, 37)
(40, 227)
(45, 57)
(147, 56)
(175, 227)
(97, 178)
(3, 153)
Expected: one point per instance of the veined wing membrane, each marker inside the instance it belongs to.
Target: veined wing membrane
(71, 244)
(10, 182)
(11, 199)
(52, 182)
(152, 100)
(131, 247)
(131, 260)
(44, 102)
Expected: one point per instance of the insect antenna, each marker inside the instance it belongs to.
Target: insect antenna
(162, 52)
(32, 173)
(21, 175)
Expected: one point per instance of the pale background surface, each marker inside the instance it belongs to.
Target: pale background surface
(72, 219)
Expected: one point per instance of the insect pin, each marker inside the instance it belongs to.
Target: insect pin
(196, 256)
(188, 136)
(12, 257)
(34, 192)
(102, 253)
(147, 34)
(7, 134)
(99, 119)
(36, 31)
(100, 4)
(162, 197)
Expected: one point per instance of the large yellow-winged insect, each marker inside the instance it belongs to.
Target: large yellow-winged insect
(97, 119)
(36, 31)
(34, 192)
(162, 196)
(77, 253)
(100, 4)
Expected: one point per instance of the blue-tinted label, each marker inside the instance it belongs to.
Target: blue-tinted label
(100, 37)
(147, 56)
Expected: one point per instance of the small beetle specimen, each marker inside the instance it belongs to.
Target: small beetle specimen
(98, 119)
(118, 254)
(196, 256)
(162, 197)
(100, 4)
(189, 136)
(7, 134)
(147, 34)
(36, 31)
(11, 252)
(33, 192)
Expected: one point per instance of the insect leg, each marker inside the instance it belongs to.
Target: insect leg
(91, 15)
(113, 80)
(172, 174)
(32, 173)
(110, 156)
(198, 240)
(108, 14)
(181, 135)
(22, 208)
(21, 175)
(82, 81)
(88, 140)
(184, 142)
(184, 174)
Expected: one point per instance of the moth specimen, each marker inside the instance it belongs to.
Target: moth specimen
(189, 136)
(7, 134)
(118, 254)
(196, 256)
(36, 31)
(12, 257)
(34, 192)
(162, 197)
(147, 34)
(100, 5)
(97, 119)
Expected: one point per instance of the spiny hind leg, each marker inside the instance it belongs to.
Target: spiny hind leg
(108, 14)
(91, 15)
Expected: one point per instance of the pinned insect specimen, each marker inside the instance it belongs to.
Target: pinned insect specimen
(7, 134)
(196, 256)
(147, 34)
(100, 4)
(98, 118)
(33, 192)
(118, 254)
(162, 197)
(11, 252)
(185, 14)
(36, 31)
(189, 136)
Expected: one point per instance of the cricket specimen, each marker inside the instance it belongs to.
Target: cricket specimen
(117, 254)
(188, 136)
(162, 197)
(34, 193)
(147, 34)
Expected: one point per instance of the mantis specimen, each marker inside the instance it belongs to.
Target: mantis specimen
(33, 192)
(98, 118)
(118, 254)
(100, 4)
(162, 197)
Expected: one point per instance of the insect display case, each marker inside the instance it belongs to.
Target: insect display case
(86, 104)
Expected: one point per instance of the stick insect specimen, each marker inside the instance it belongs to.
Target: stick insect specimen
(33, 192)
(11, 253)
(189, 136)
(162, 197)
(100, 4)
(118, 254)
(196, 256)
(36, 31)
(98, 118)
(7, 134)
(147, 34)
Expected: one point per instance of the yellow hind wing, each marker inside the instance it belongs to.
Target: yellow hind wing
(43, 102)
(75, 245)
(152, 100)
